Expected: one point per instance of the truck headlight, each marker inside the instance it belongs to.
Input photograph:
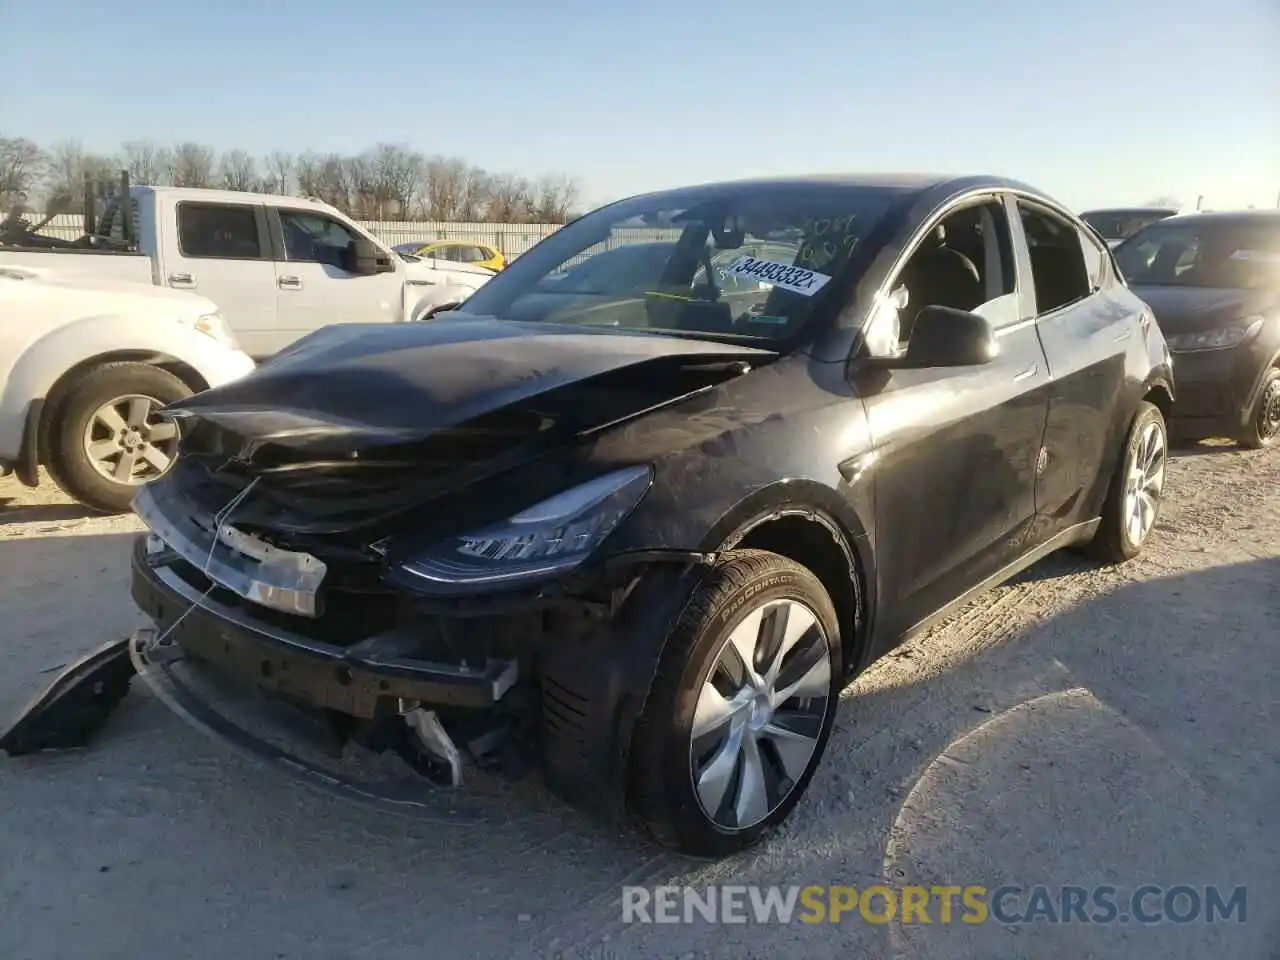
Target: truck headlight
(212, 325)
(552, 537)
(1224, 338)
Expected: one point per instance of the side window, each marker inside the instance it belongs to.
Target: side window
(965, 262)
(314, 238)
(451, 252)
(1058, 269)
(218, 231)
(1095, 260)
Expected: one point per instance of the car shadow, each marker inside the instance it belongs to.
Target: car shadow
(1127, 740)
(12, 511)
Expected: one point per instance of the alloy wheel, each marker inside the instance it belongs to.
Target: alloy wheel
(124, 445)
(760, 714)
(1269, 412)
(1145, 483)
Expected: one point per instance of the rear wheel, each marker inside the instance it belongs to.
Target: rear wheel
(740, 709)
(107, 440)
(1137, 489)
(1263, 428)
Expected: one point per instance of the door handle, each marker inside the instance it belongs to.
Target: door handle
(289, 283)
(1027, 374)
(1121, 337)
(182, 280)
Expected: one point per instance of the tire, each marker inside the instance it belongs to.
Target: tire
(1142, 469)
(699, 653)
(69, 460)
(1263, 429)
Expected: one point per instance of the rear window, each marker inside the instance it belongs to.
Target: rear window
(219, 231)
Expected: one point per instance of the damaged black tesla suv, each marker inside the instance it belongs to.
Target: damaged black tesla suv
(646, 530)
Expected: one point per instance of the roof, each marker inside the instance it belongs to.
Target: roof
(1127, 211)
(1263, 217)
(211, 195)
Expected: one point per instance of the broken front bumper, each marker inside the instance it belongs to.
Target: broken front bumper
(361, 680)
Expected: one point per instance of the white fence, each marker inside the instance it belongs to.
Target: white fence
(511, 238)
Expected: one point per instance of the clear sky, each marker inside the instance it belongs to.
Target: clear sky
(1096, 101)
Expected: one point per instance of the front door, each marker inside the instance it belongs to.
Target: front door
(223, 253)
(956, 448)
(314, 289)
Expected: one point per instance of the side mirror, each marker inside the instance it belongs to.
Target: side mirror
(364, 258)
(945, 337)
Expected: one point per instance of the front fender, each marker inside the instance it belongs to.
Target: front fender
(35, 370)
(433, 295)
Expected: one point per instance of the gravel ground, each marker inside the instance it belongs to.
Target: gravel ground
(1080, 726)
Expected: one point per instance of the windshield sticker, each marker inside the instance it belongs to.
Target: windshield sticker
(784, 275)
(1256, 256)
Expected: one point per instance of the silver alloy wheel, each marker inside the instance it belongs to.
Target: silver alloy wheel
(760, 713)
(1144, 483)
(1269, 412)
(124, 445)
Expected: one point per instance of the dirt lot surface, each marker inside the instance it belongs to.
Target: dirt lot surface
(1080, 726)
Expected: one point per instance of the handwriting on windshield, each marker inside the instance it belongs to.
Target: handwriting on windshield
(826, 239)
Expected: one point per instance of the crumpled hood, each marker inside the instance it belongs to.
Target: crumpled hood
(1181, 309)
(389, 383)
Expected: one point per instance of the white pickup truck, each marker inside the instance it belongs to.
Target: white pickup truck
(277, 267)
(84, 366)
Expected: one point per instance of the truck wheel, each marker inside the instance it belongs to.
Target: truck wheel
(740, 709)
(1137, 489)
(106, 441)
(1264, 420)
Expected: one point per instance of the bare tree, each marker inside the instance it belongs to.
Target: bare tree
(1166, 201)
(22, 165)
(510, 199)
(191, 165)
(279, 170)
(553, 198)
(145, 162)
(238, 170)
(389, 181)
(69, 166)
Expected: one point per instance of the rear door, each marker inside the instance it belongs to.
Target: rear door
(313, 287)
(223, 252)
(1086, 335)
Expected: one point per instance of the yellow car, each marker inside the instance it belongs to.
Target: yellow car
(459, 251)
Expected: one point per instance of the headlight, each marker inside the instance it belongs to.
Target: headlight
(1224, 338)
(212, 324)
(552, 537)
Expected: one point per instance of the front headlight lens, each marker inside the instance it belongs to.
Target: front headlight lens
(1224, 338)
(552, 537)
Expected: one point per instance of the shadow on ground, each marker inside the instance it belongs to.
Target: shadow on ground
(1130, 740)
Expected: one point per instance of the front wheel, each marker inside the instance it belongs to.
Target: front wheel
(1137, 489)
(741, 707)
(1263, 428)
(106, 440)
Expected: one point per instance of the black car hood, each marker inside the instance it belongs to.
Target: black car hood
(391, 383)
(1184, 309)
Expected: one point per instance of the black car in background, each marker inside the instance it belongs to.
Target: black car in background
(1213, 280)
(655, 544)
(1118, 224)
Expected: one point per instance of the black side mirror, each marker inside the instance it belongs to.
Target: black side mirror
(364, 258)
(944, 337)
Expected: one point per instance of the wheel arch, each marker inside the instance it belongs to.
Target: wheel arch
(63, 386)
(813, 526)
